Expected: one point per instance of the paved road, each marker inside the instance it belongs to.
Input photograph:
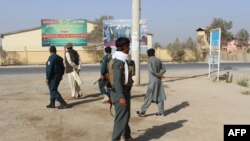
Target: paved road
(95, 68)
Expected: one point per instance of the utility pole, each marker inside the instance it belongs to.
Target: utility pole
(135, 48)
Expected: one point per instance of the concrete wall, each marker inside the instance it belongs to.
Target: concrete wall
(40, 57)
(235, 56)
(164, 55)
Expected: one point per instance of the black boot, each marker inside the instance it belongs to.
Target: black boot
(63, 104)
(51, 104)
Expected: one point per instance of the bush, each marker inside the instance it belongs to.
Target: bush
(248, 50)
(143, 58)
(177, 53)
(3, 55)
(243, 82)
(245, 92)
(9, 59)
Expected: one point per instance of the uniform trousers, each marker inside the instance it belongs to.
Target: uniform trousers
(53, 88)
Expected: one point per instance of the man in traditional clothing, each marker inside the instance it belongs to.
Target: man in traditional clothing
(120, 93)
(54, 73)
(103, 83)
(155, 92)
(73, 67)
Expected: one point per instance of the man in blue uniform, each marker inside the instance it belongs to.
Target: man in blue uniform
(120, 94)
(54, 73)
(103, 83)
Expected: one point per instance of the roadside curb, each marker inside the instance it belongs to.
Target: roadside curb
(37, 66)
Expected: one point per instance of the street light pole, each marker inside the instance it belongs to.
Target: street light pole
(136, 8)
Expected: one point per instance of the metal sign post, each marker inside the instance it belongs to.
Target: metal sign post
(214, 52)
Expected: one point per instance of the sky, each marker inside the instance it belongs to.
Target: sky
(166, 19)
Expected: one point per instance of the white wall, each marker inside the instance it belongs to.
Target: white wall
(31, 40)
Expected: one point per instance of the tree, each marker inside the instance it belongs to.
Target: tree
(176, 51)
(3, 54)
(157, 45)
(191, 45)
(96, 36)
(225, 27)
(242, 38)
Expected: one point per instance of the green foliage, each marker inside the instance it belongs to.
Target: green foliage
(176, 51)
(191, 45)
(248, 50)
(225, 27)
(157, 45)
(96, 52)
(245, 92)
(3, 55)
(7, 59)
(143, 57)
(243, 82)
(96, 36)
(242, 38)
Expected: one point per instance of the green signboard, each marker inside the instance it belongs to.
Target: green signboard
(61, 32)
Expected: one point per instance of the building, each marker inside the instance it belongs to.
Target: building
(25, 46)
(202, 40)
(230, 46)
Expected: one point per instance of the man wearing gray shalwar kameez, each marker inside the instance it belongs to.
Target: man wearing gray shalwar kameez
(155, 92)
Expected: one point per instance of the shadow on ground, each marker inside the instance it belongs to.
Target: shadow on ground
(157, 132)
(172, 79)
(91, 95)
(176, 108)
(84, 100)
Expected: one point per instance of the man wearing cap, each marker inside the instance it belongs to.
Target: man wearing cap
(54, 73)
(73, 67)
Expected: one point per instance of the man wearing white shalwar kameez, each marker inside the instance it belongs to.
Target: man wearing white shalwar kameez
(73, 67)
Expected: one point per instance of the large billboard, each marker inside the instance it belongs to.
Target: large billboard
(113, 29)
(60, 32)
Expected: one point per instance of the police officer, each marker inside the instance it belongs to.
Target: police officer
(54, 73)
(131, 67)
(120, 93)
(103, 84)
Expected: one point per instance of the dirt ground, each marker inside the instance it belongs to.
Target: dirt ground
(196, 110)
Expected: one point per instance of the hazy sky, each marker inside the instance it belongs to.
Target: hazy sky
(166, 19)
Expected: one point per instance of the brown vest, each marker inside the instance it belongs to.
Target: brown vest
(74, 58)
